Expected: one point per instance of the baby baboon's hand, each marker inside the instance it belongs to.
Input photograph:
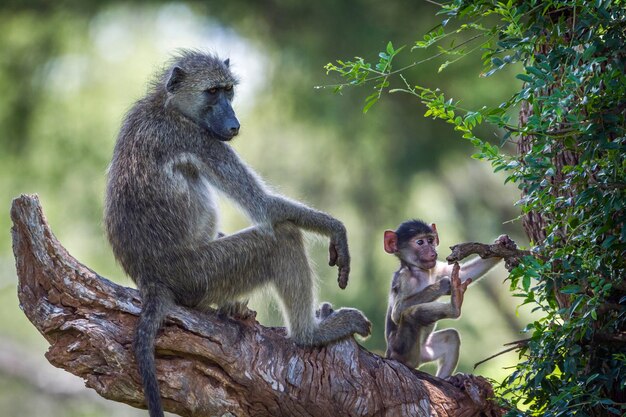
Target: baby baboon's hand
(458, 288)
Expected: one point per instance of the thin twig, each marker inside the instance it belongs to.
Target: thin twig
(515, 345)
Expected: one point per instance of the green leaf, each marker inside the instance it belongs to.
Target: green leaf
(390, 49)
(608, 242)
(591, 378)
(497, 62)
(589, 51)
(571, 289)
(535, 71)
(369, 104)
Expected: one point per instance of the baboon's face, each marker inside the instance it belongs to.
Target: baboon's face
(216, 113)
(205, 97)
(420, 251)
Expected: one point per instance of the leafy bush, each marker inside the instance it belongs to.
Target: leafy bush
(570, 167)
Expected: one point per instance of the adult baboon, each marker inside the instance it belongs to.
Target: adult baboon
(161, 216)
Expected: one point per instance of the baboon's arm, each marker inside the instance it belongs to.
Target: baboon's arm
(234, 178)
(427, 295)
(474, 269)
(239, 182)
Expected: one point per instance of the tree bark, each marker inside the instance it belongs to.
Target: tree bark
(510, 254)
(208, 365)
(533, 222)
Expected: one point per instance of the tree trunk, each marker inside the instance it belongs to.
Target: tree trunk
(207, 365)
(533, 222)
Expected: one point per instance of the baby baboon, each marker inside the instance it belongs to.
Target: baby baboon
(413, 309)
(161, 216)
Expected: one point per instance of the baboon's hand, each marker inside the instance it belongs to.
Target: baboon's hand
(455, 279)
(338, 254)
(237, 310)
(458, 288)
(325, 310)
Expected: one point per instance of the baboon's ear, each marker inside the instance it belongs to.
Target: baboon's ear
(434, 227)
(227, 62)
(176, 77)
(390, 241)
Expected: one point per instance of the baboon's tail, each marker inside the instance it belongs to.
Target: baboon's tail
(154, 308)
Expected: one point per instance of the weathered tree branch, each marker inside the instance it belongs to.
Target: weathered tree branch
(52, 385)
(509, 253)
(208, 365)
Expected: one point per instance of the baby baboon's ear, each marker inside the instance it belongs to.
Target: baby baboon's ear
(390, 241)
(434, 227)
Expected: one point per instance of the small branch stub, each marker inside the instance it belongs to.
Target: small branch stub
(209, 365)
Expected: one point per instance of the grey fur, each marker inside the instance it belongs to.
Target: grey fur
(161, 216)
(411, 320)
(413, 309)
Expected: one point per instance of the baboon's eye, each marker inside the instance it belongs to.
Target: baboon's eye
(228, 88)
(212, 90)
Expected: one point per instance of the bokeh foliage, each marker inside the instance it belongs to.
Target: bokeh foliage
(571, 170)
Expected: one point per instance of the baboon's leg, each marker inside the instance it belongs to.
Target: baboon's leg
(429, 313)
(232, 266)
(219, 271)
(442, 346)
(404, 345)
(295, 284)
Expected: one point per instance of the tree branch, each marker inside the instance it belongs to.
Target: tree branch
(508, 252)
(209, 365)
(52, 385)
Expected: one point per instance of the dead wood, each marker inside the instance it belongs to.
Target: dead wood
(510, 253)
(207, 365)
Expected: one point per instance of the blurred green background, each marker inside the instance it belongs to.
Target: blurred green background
(70, 70)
